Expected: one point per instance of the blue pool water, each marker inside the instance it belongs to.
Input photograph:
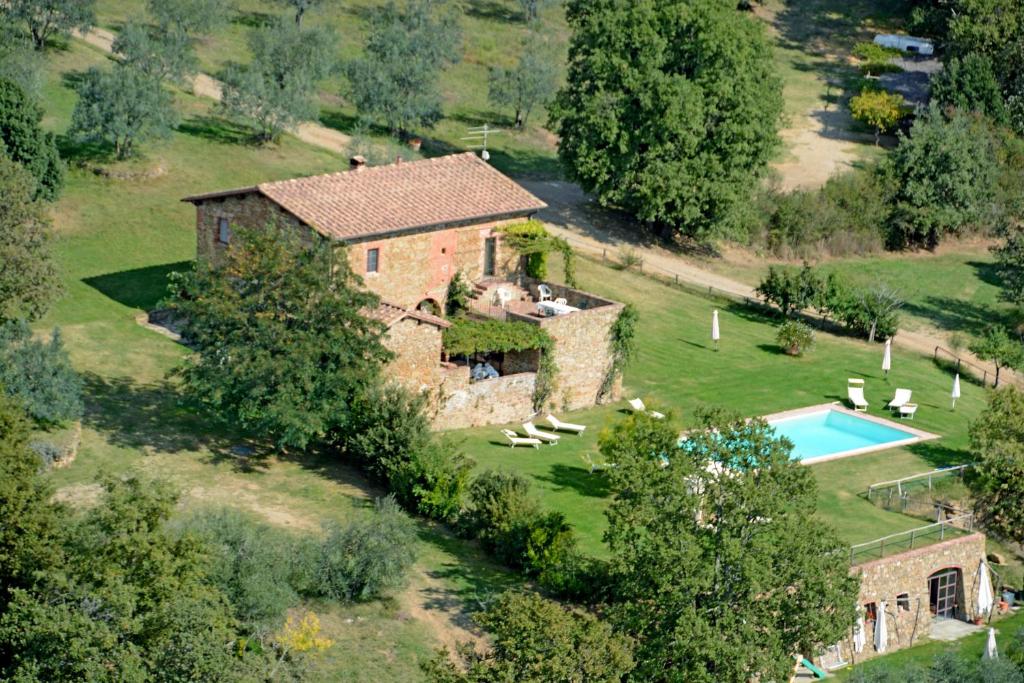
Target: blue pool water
(830, 431)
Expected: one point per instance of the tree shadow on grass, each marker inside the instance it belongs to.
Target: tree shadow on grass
(473, 580)
(955, 314)
(579, 480)
(489, 10)
(253, 19)
(215, 129)
(141, 288)
(938, 455)
(147, 417)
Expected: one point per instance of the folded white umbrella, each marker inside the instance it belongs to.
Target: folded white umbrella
(956, 388)
(985, 595)
(715, 332)
(858, 635)
(991, 652)
(881, 632)
(887, 356)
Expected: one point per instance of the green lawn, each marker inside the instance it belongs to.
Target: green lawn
(677, 369)
(1008, 630)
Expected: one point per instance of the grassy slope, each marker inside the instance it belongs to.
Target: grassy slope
(492, 33)
(116, 242)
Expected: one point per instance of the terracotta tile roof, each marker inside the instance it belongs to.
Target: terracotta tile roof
(389, 314)
(384, 199)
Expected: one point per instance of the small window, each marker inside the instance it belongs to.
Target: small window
(870, 612)
(903, 601)
(223, 230)
(372, 260)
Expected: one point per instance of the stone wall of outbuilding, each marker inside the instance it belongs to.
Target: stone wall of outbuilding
(907, 573)
(461, 403)
(251, 210)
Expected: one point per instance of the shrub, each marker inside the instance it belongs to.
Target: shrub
(369, 557)
(260, 568)
(509, 523)
(629, 258)
(459, 292)
(872, 52)
(530, 239)
(795, 337)
(39, 374)
(24, 141)
(878, 109)
(433, 480)
(49, 453)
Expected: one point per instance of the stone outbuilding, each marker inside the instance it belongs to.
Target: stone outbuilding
(407, 229)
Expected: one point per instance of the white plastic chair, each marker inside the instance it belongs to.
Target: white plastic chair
(544, 292)
(516, 440)
(561, 301)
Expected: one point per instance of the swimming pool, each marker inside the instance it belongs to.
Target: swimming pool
(826, 433)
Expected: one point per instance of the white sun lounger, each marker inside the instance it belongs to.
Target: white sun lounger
(901, 398)
(638, 406)
(596, 466)
(855, 392)
(560, 426)
(517, 440)
(532, 431)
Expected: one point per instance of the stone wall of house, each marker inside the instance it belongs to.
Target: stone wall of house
(417, 349)
(461, 403)
(907, 573)
(251, 210)
(413, 268)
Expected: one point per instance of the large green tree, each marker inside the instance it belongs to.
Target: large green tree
(158, 53)
(996, 345)
(122, 107)
(48, 19)
(945, 174)
(997, 478)
(24, 141)
(28, 277)
(534, 639)
(192, 17)
(970, 84)
(277, 89)
(670, 110)
(719, 568)
(396, 84)
(283, 345)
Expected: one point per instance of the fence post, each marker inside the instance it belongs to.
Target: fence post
(604, 255)
(929, 481)
(912, 539)
(942, 531)
(935, 353)
(881, 549)
(677, 279)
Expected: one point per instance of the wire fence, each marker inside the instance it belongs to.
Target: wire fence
(944, 529)
(883, 487)
(984, 375)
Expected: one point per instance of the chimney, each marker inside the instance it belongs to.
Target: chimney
(357, 162)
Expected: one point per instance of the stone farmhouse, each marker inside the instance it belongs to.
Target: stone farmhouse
(407, 229)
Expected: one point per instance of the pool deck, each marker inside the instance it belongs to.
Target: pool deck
(917, 435)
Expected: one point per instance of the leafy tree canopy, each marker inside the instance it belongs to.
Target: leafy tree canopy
(535, 639)
(161, 54)
(192, 17)
(301, 7)
(970, 84)
(997, 443)
(282, 344)
(996, 345)
(39, 374)
(121, 107)
(396, 83)
(531, 83)
(28, 277)
(680, 131)
(719, 568)
(24, 141)
(49, 19)
(277, 89)
(945, 172)
(879, 109)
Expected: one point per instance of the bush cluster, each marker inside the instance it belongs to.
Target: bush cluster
(872, 312)
(510, 524)
(795, 337)
(388, 436)
(264, 571)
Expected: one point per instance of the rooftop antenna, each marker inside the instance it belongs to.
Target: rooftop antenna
(478, 139)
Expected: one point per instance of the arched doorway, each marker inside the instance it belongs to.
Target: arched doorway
(945, 593)
(429, 306)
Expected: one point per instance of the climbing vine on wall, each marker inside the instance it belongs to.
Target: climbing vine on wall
(622, 343)
(466, 337)
(532, 240)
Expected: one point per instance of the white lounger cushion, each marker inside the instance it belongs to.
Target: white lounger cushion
(558, 425)
(856, 396)
(902, 397)
(531, 430)
(520, 440)
(638, 405)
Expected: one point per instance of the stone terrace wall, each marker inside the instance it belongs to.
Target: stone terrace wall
(462, 403)
(908, 572)
(417, 349)
(251, 210)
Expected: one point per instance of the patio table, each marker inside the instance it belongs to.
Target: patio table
(549, 308)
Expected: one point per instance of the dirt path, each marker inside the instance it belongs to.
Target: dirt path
(590, 229)
(204, 85)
